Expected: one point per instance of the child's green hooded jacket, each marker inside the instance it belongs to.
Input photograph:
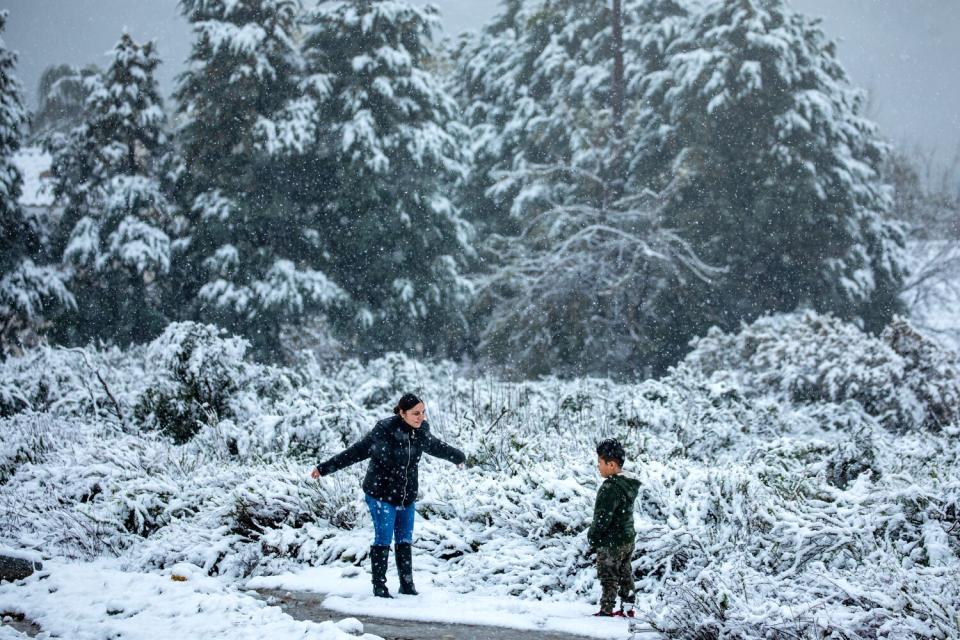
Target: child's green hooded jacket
(613, 513)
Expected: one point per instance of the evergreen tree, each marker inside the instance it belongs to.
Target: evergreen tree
(62, 94)
(27, 289)
(254, 259)
(756, 118)
(552, 91)
(551, 83)
(117, 216)
(381, 141)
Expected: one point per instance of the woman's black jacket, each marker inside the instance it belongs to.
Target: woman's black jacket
(394, 449)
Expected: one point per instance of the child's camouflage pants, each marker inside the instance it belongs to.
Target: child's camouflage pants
(616, 575)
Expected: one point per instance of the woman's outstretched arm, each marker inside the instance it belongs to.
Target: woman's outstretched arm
(351, 455)
(440, 449)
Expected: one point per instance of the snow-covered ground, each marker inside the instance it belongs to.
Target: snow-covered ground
(102, 599)
(99, 599)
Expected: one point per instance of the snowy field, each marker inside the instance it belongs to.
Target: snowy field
(799, 480)
(94, 600)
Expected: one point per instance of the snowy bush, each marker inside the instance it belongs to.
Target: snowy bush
(931, 372)
(87, 383)
(25, 438)
(901, 378)
(733, 601)
(196, 370)
(91, 500)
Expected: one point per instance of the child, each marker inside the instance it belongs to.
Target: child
(612, 534)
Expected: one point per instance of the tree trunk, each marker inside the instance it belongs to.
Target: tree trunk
(616, 99)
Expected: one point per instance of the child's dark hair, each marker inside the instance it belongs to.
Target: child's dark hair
(612, 451)
(407, 401)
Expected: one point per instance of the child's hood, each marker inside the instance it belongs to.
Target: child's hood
(626, 485)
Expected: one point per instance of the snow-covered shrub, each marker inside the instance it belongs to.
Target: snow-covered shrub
(13, 398)
(195, 368)
(70, 382)
(762, 542)
(851, 458)
(732, 601)
(26, 438)
(393, 375)
(902, 379)
(892, 604)
(92, 499)
(266, 504)
(931, 372)
(257, 507)
(256, 519)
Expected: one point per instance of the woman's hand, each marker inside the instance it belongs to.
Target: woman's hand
(315, 473)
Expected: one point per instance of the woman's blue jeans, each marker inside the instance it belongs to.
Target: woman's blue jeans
(391, 522)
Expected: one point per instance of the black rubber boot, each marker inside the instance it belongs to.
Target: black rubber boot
(405, 569)
(379, 557)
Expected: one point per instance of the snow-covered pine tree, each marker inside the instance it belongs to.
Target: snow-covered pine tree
(757, 118)
(551, 88)
(540, 86)
(116, 215)
(62, 94)
(382, 148)
(27, 289)
(255, 260)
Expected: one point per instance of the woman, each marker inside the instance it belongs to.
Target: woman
(394, 447)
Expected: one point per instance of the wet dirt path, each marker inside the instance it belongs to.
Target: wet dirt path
(302, 605)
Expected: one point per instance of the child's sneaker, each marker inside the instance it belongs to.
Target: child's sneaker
(604, 614)
(627, 610)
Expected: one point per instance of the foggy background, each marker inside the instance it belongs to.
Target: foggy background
(904, 53)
